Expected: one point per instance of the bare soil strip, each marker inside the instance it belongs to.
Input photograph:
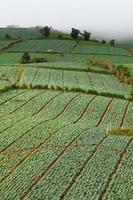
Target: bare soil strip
(104, 113)
(35, 75)
(116, 168)
(22, 105)
(30, 153)
(12, 97)
(84, 112)
(79, 172)
(65, 108)
(41, 176)
(124, 114)
(38, 111)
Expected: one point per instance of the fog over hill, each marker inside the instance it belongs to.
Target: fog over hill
(108, 19)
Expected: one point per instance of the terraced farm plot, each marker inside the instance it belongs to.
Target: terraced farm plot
(74, 80)
(61, 65)
(13, 58)
(52, 139)
(24, 33)
(99, 49)
(10, 58)
(55, 122)
(65, 80)
(43, 46)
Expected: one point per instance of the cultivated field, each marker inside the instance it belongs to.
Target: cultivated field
(55, 119)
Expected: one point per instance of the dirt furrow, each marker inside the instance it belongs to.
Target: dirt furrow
(79, 172)
(124, 114)
(38, 111)
(84, 111)
(41, 176)
(65, 108)
(35, 75)
(21, 105)
(104, 113)
(12, 98)
(21, 136)
(116, 168)
(31, 153)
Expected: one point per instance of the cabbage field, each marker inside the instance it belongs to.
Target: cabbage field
(14, 57)
(55, 118)
(44, 46)
(100, 49)
(24, 33)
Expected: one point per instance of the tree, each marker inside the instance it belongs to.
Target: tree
(60, 37)
(25, 58)
(103, 41)
(7, 37)
(112, 42)
(75, 33)
(86, 36)
(45, 31)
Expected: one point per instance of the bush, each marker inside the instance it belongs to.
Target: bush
(60, 37)
(25, 58)
(7, 37)
(38, 60)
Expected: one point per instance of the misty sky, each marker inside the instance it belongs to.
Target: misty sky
(108, 18)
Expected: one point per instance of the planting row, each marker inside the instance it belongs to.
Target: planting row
(14, 58)
(99, 49)
(71, 163)
(44, 45)
(74, 80)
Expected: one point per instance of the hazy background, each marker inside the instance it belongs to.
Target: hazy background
(104, 18)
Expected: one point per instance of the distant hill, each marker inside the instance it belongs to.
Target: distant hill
(126, 44)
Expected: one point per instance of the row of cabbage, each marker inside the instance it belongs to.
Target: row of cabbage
(30, 135)
(49, 171)
(14, 58)
(74, 80)
(64, 80)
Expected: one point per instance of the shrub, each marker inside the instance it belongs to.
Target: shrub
(38, 60)
(25, 58)
(7, 37)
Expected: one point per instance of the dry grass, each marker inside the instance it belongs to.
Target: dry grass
(121, 131)
(20, 74)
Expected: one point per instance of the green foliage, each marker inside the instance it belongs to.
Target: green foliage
(45, 31)
(25, 58)
(87, 36)
(112, 42)
(38, 60)
(75, 33)
(7, 37)
(103, 41)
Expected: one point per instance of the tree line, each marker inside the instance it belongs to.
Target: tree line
(75, 34)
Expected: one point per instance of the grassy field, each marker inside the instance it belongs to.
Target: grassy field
(55, 123)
